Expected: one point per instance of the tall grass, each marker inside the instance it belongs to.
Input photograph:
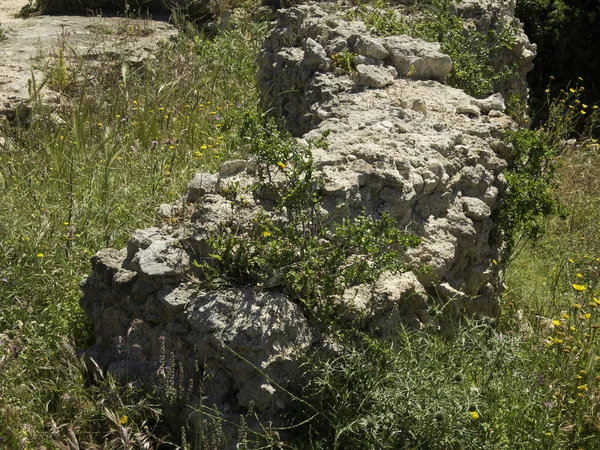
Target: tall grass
(125, 138)
(84, 175)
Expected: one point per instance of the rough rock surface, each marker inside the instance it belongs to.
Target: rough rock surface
(396, 142)
(301, 89)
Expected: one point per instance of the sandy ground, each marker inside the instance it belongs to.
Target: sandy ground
(41, 35)
(8, 8)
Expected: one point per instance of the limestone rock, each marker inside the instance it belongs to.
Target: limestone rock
(373, 76)
(422, 152)
(418, 59)
(369, 46)
(161, 258)
(200, 185)
(494, 102)
(315, 57)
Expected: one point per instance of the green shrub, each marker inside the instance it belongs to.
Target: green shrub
(290, 246)
(530, 198)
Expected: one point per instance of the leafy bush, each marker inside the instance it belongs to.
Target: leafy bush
(290, 246)
(529, 198)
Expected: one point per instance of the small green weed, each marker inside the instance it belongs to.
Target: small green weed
(344, 60)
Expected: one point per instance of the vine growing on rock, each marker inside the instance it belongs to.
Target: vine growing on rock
(294, 246)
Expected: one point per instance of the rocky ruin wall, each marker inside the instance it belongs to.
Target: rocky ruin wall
(399, 141)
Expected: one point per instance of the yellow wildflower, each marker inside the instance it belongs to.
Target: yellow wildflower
(474, 415)
(579, 275)
(579, 287)
(40, 255)
(266, 234)
(124, 420)
(281, 165)
(556, 323)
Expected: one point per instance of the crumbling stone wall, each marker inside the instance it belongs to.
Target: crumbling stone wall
(398, 141)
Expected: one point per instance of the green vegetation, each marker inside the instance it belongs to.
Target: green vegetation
(531, 196)
(484, 388)
(124, 140)
(290, 246)
(470, 50)
(106, 6)
(128, 138)
(200, 10)
(566, 33)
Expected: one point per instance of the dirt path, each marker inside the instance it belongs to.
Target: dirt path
(37, 36)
